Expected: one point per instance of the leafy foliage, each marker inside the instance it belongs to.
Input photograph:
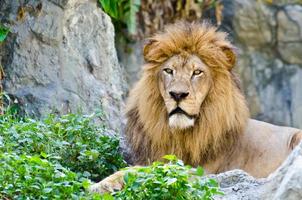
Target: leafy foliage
(31, 177)
(3, 32)
(123, 12)
(71, 140)
(172, 181)
(52, 158)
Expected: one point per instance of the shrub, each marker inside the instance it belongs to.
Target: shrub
(31, 177)
(52, 158)
(172, 181)
(72, 140)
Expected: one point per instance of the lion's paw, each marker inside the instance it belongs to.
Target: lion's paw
(112, 183)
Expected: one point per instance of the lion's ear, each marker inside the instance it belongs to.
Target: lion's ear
(230, 55)
(148, 51)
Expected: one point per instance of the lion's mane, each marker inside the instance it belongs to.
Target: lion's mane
(222, 117)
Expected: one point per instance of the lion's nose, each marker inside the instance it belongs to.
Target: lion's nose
(178, 96)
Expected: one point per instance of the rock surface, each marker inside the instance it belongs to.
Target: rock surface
(269, 37)
(62, 58)
(284, 183)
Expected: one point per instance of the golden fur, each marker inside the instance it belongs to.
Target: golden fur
(223, 114)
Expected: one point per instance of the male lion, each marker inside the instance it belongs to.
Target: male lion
(188, 103)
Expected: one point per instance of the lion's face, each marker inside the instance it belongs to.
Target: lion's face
(184, 82)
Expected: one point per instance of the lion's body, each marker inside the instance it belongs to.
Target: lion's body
(260, 151)
(258, 148)
(217, 132)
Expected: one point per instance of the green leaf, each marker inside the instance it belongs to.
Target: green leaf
(47, 190)
(43, 154)
(107, 196)
(171, 181)
(130, 15)
(110, 7)
(3, 33)
(86, 184)
(199, 171)
(213, 183)
(170, 157)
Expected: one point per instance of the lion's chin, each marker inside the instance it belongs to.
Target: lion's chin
(180, 121)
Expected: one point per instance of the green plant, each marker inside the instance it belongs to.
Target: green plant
(173, 181)
(72, 140)
(31, 177)
(53, 158)
(123, 12)
(3, 32)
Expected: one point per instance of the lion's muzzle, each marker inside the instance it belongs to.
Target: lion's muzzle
(179, 119)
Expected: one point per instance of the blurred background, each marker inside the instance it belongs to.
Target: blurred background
(69, 55)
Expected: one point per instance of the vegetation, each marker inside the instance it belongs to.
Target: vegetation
(32, 177)
(57, 157)
(172, 181)
(3, 32)
(151, 16)
(54, 158)
(123, 12)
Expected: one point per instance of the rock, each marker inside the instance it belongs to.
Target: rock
(62, 59)
(289, 33)
(252, 23)
(284, 183)
(268, 37)
(131, 59)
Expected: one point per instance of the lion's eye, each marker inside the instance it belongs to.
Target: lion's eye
(168, 71)
(197, 72)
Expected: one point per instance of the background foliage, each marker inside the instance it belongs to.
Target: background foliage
(123, 12)
(144, 17)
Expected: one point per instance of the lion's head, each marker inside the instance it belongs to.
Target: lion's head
(184, 82)
(187, 101)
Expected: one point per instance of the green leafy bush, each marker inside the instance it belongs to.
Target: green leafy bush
(31, 177)
(122, 12)
(172, 181)
(53, 158)
(71, 140)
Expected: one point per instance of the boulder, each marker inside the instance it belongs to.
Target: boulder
(284, 183)
(269, 41)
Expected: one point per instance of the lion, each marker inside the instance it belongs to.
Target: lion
(188, 102)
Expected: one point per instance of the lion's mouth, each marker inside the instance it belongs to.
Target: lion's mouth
(178, 110)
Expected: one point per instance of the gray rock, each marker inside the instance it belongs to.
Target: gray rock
(289, 33)
(252, 23)
(284, 183)
(132, 60)
(63, 59)
(269, 60)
